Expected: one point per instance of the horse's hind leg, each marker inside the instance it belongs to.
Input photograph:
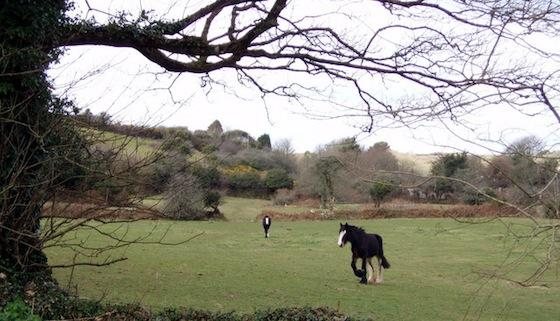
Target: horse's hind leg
(379, 271)
(371, 279)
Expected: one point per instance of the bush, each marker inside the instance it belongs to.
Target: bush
(212, 201)
(113, 191)
(208, 177)
(184, 199)
(284, 196)
(17, 310)
(552, 209)
(260, 159)
(299, 314)
(277, 179)
(379, 191)
(472, 197)
(246, 183)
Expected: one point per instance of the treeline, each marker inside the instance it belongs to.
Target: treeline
(193, 169)
(525, 174)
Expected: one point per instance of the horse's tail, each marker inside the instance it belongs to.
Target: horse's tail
(384, 263)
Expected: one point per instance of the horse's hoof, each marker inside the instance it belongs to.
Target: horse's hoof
(363, 281)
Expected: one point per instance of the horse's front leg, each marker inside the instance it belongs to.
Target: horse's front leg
(357, 272)
(364, 274)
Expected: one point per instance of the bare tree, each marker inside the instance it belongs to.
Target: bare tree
(284, 147)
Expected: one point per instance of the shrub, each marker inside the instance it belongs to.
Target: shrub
(184, 198)
(17, 310)
(200, 139)
(245, 183)
(212, 201)
(238, 169)
(284, 196)
(472, 197)
(261, 159)
(277, 179)
(300, 314)
(379, 191)
(113, 190)
(208, 177)
(552, 209)
(263, 142)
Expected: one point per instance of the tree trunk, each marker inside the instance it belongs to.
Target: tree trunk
(30, 144)
(26, 178)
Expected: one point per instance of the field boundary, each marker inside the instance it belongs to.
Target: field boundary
(374, 213)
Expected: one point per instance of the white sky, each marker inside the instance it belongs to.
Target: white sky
(131, 92)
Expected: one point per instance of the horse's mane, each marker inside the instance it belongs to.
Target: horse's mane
(357, 229)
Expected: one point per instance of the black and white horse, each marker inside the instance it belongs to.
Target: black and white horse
(364, 246)
(266, 225)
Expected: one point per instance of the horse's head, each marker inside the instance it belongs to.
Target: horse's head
(342, 234)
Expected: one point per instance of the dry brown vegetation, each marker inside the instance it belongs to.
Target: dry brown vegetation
(422, 211)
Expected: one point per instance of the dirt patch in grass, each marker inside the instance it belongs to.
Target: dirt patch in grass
(421, 212)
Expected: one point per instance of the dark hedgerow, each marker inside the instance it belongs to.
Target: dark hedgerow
(280, 314)
(301, 314)
(49, 302)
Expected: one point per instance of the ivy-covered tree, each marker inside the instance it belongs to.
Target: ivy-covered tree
(38, 141)
(327, 168)
(447, 165)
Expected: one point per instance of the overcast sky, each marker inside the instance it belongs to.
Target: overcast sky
(133, 90)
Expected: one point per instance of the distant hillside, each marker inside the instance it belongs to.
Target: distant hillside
(142, 146)
(144, 140)
(422, 162)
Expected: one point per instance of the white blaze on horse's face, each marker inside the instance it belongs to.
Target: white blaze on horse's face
(341, 238)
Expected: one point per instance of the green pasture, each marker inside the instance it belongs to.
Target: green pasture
(435, 275)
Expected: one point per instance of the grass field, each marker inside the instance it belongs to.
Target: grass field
(232, 267)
